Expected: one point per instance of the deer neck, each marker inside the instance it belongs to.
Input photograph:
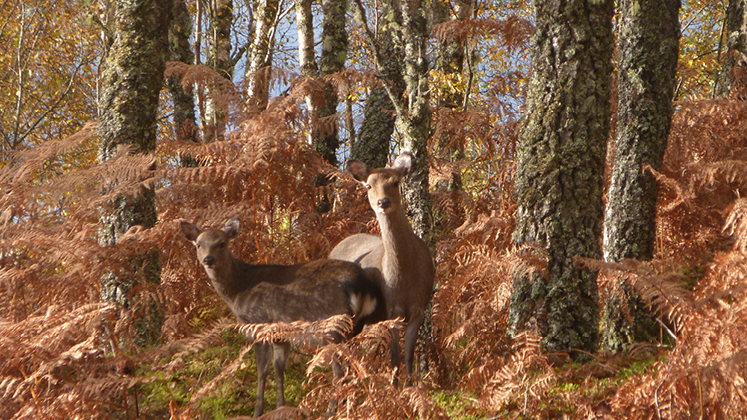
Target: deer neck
(230, 279)
(396, 234)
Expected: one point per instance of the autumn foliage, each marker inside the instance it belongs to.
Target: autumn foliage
(65, 354)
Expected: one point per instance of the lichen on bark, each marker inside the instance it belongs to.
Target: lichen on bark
(560, 171)
(649, 47)
(132, 80)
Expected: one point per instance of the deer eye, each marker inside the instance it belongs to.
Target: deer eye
(396, 184)
(368, 186)
(198, 246)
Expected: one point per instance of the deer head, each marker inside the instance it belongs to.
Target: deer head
(212, 245)
(383, 183)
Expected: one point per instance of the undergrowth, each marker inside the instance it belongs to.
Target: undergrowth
(65, 354)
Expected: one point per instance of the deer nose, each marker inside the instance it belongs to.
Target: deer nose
(209, 260)
(384, 203)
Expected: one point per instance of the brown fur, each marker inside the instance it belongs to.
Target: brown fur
(280, 293)
(399, 260)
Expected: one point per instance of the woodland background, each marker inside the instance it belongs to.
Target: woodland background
(258, 145)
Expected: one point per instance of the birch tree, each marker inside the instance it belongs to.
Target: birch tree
(132, 80)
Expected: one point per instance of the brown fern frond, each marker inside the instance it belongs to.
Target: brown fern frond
(301, 333)
(656, 285)
(510, 30)
(513, 381)
(25, 165)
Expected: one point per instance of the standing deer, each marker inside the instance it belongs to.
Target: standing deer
(281, 293)
(398, 260)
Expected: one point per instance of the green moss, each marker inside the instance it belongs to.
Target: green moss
(234, 395)
(458, 405)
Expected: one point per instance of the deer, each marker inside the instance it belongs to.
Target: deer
(398, 260)
(261, 293)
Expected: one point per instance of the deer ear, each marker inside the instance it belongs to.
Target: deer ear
(232, 228)
(358, 169)
(189, 230)
(403, 163)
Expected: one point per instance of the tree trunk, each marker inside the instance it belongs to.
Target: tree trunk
(649, 47)
(132, 80)
(736, 42)
(414, 115)
(260, 56)
(332, 60)
(449, 64)
(306, 55)
(372, 147)
(185, 128)
(334, 54)
(219, 58)
(560, 171)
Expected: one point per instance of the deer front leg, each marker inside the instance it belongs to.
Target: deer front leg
(262, 354)
(394, 349)
(411, 337)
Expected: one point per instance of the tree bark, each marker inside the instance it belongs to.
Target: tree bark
(414, 116)
(306, 56)
(133, 78)
(560, 171)
(649, 47)
(372, 147)
(332, 60)
(185, 128)
(219, 58)
(260, 56)
(736, 42)
(305, 24)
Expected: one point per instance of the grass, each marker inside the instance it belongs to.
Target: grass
(592, 383)
(234, 395)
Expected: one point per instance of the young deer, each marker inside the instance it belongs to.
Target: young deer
(398, 260)
(272, 293)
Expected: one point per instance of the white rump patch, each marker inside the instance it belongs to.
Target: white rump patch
(362, 305)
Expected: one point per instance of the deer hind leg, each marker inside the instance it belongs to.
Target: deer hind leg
(262, 354)
(281, 352)
(338, 372)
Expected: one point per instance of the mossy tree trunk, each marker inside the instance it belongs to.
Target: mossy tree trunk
(375, 137)
(185, 127)
(372, 146)
(649, 47)
(332, 60)
(132, 80)
(560, 171)
(414, 114)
